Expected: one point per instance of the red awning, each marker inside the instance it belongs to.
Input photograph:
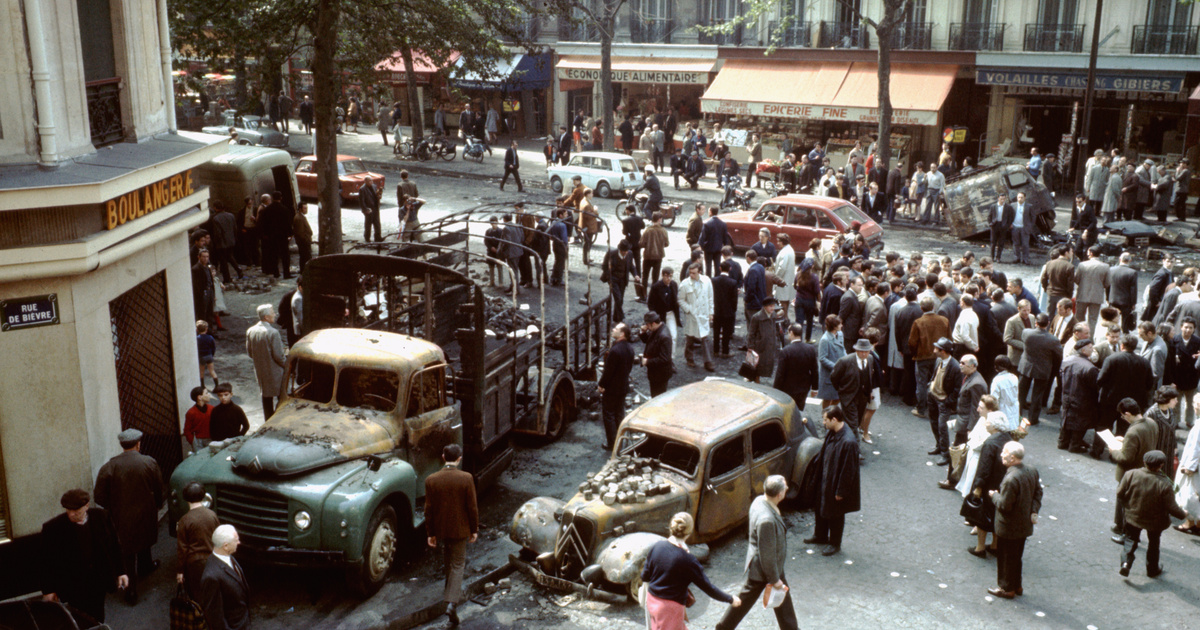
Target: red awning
(422, 65)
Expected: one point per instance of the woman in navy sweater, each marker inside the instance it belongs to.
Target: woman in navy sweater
(669, 570)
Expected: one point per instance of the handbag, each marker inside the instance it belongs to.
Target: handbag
(958, 458)
(185, 612)
(975, 510)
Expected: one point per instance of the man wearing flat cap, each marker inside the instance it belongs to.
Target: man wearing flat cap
(657, 356)
(81, 556)
(855, 376)
(1148, 495)
(130, 486)
(1080, 397)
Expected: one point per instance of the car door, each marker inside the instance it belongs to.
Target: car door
(726, 493)
(826, 226)
(768, 453)
(602, 170)
(306, 178)
(431, 422)
(801, 226)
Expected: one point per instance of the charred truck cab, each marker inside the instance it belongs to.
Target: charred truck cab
(970, 197)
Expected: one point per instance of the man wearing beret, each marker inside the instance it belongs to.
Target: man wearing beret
(130, 486)
(1149, 499)
(82, 559)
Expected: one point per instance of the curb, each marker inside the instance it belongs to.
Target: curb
(429, 613)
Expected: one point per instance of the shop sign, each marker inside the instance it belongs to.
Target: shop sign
(1141, 97)
(954, 135)
(30, 312)
(1116, 82)
(401, 78)
(636, 76)
(817, 112)
(142, 201)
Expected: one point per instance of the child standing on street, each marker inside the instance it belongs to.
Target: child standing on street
(197, 419)
(228, 420)
(206, 347)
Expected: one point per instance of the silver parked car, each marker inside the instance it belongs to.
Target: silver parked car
(605, 173)
(254, 130)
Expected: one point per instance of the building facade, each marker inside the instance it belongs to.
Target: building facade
(1008, 74)
(97, 194)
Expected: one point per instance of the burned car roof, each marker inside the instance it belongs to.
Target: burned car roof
(705, 411)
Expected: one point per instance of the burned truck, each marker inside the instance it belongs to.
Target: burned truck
(970, 197)
(403, 358)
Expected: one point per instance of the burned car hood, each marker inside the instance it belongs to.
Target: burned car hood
(303, 436)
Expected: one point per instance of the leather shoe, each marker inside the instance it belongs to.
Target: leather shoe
(935, 451)
(814, 541)
(1116, 530)
(1155, 573)
(1124, 570)
(1020, 591)
(999, 592)
(945, 461)
(452, 613)
(709, 367)
(977, 553)
(945, 485)
(830, 550)
(1120, 540)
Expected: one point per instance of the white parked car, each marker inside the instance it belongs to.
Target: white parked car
(605, 173)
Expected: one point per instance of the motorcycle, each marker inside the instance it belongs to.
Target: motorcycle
(668, 210)
(474, 148)
(736, 198)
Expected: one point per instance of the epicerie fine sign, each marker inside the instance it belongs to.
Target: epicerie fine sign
(29, 312)
(817, 112)
(635, 76)
(142, 201)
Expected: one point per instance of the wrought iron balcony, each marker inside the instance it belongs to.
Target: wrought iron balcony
(843, 35)
(104, 111)
(913, 36)
(1153, 39)
(1054, 37)
(529, 28)
(733, 38)
(976, 36)
(569, 31)
(794, 35)
(651, 30)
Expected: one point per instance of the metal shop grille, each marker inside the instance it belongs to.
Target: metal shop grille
(146, 369)
(5, 530)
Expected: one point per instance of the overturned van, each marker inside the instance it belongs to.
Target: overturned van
(970, 197)
(249, 171)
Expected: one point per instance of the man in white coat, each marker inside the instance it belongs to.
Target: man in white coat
(696, 304)
(264, 344)
(785, 269)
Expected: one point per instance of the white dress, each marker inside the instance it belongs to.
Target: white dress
(975, 441)
(1004, 389)
(1189, 459)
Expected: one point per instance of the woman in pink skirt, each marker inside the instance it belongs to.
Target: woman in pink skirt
(669, 570)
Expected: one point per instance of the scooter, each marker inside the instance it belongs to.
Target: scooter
(474, 148)
(736, 198)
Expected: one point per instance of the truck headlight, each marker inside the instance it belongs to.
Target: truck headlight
(207, 501)
(302, 519)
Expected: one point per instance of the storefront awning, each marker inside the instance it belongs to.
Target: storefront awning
(637, 69)
(423, 66)
(828, 91)
(521, 72)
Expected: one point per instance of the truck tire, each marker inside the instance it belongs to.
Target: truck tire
(379, 550)
(560, 411)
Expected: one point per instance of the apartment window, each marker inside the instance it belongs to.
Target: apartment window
(795, 32)
(1057, 12)
(978, 30)
(914, 33)
(100, 71)
(1167, 31)
(652, 22)
(1168, 13)
(720, 12)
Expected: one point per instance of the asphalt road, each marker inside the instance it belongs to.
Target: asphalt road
(904, 562)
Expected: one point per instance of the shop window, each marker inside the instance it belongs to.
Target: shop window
(727, 457)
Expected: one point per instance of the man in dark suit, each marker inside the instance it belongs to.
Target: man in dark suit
(1043, 351)
(81, 558)
(1000, 218)
(368, 202)
(712, 241)
(1023, 227)
(1158, 287)
(755, 284)
(766, 556)
(834, 486)
(1018, 502)
(796, 371)
(850, 309)
(1122, 290)
(224, 593)
(725, 301)
(1124, 374)
(943, 397)
(905, 317)
(875, 203)
(451, 516)
(895, 183)
(564, 145)
(130, 485)
(614, 382)
(854, 376)
(512, 166)
(657, 357)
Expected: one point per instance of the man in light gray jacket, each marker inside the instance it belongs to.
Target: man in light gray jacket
(765, 558)
(1091, 282)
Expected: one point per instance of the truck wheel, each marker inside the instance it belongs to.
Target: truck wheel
(562, 409)
(379, 549)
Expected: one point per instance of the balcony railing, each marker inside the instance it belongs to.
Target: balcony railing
(569, 31)
(843, 35)
(104, 111)
(794, 35)
(651, 31)
(1151, 39)
(529, 28)
(976, 36)
(1054, 37)
(722, 39)
(913, 36)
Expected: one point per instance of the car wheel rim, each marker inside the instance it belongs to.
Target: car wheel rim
(383, 548)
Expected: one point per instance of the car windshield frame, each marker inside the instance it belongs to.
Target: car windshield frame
(854, 214)
(344, 167)
(632, 439)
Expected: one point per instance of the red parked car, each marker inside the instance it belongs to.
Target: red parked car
(803, 217)
(351, 175)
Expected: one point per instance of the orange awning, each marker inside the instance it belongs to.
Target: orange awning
(828, 91)
(637, 69)
(421, 63)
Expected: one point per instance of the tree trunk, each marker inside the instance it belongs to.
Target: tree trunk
(884, 144)
(329, 199)
(415, 113)
(606, 96)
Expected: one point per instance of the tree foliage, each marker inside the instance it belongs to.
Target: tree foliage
(601, 15)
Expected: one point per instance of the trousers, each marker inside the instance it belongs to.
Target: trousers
(454, 556)
(829, 529)
(1133, 537)
(705, 344)
(1008, 562)
(1020, 239)
(924, 375)
(998, 236)
(612, 411)
(1039, 389)
(785, 615)
(722, 333)
(939, 417)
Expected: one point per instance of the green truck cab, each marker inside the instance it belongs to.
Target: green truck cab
(337, 475)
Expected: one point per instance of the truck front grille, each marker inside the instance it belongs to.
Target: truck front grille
(260, 516)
